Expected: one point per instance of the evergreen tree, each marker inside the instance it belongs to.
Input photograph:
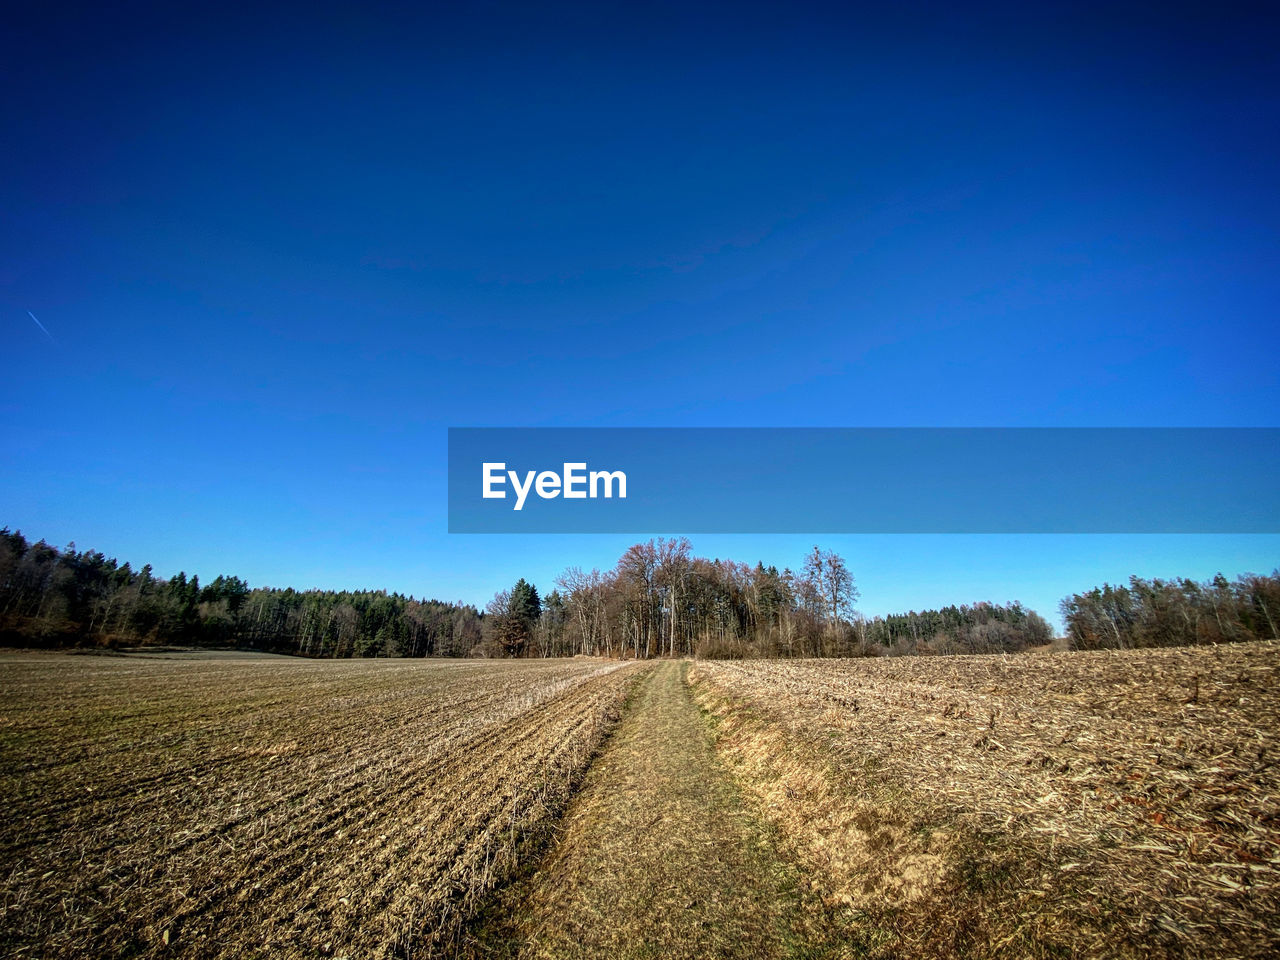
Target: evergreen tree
(526, 605)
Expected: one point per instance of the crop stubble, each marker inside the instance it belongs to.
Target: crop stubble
(1082, 804)
(281, 807)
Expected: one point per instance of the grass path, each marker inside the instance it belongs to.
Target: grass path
(658, 856)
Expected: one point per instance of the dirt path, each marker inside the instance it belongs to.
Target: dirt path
(658, 856)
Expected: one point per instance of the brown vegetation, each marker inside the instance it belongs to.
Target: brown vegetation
(284, 808)
(1088, 804)
(1084, 804)
(659, 857)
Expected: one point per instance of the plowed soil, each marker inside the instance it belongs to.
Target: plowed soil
(278, 808)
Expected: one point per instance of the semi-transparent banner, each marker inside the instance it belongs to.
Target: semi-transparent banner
(864, 480)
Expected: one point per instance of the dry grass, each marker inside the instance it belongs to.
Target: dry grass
(658, 857)
(1108, 804)
(289, 808)
(1099, 804)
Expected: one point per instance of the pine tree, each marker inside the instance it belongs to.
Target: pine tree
(526, 605)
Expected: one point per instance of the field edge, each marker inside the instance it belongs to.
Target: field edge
(903, 874)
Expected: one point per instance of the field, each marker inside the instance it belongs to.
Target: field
(1075, 805)
(278, 807)
(1083, 804)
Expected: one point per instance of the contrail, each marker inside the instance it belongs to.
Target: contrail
(41, 326)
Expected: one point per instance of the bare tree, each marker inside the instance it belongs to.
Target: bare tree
(831, 579)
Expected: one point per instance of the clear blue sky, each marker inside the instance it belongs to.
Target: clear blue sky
(281, 251)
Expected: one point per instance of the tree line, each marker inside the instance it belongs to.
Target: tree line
(977, 628)
(661, 600)
(658, 600)
(1166, 613)
(52, 597)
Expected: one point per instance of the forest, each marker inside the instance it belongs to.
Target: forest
(1167, 613)
(51, 597)
(659, 600)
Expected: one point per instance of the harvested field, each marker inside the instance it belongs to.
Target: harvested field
(1041, 805)
(278, 807)
(1084, 804)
